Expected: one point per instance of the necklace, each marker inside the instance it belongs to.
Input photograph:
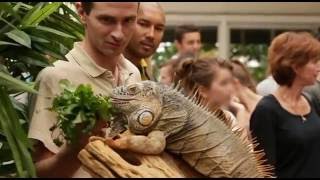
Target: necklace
(303, 118)
(293, 106)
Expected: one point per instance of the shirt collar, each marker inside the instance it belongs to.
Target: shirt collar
(87, 64)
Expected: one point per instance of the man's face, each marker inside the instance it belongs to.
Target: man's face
(109, 26)
(191, 42)
(149, 31)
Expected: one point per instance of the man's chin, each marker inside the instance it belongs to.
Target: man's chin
(145, 54)
(111, 52)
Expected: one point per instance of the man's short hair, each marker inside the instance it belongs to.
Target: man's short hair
(87, 6)
(183, 29)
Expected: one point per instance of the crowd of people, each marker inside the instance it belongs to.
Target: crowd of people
(282, 113)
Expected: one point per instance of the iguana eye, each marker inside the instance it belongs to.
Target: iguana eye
(132, 89)
(145, 118)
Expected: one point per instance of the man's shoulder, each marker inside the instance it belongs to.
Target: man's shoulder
(130, 67)
(59, 69)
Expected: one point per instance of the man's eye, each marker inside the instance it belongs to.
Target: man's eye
(129, 21)
(107, 20)
(159, 28)
(143, 24)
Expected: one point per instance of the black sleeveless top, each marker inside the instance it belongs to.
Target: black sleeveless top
(291, 145)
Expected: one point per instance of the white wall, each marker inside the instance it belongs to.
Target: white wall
(243, 7)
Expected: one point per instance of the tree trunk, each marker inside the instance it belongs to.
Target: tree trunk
(102, 161)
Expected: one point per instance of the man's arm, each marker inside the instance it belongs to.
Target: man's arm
(65, 163)
(62, 164)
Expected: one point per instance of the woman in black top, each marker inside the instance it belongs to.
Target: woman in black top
(285, 123)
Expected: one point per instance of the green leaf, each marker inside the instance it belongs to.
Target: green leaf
(71, 12)
(68, 25)
(40, 14)
(16, 137)
(6, 6)
(51, 30)
(13, 83)
(4, 69)
(10, 24)
(35, 62)
(4, 119)
(34, 10)
(38, 39)
(2, 43)
(47, 50)
(20, 37)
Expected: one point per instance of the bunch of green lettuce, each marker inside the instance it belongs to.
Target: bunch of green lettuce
(78, 110)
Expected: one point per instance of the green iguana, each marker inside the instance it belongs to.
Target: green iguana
(161, 117)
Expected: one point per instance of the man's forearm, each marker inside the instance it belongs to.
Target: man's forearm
(63, 164)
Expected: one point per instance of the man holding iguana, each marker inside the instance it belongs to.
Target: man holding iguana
(97, 61)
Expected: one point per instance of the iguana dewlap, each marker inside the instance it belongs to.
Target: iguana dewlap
(162, 117)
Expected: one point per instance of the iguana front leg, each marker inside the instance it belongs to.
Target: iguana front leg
(154, 143)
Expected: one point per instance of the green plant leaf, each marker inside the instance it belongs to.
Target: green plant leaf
(16, 137)
(14, 83)
(2, 43)
(20, 37)
(6, 6)
(10, 24)
(71, 12)
(40, 14)
(33, 10)
(35, 62)
(38, 39)
(51, 30)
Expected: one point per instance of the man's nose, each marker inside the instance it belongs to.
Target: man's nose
(117, 33)
(150, 33)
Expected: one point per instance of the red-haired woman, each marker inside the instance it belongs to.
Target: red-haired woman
(285, 123)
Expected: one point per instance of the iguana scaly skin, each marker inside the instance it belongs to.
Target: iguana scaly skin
(202, 139)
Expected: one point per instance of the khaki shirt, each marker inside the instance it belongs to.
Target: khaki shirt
(79, 69)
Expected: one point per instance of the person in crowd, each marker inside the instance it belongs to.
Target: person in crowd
(169, 68)
(245, 96)
(187, 40)
(209, 80)
(98, 61)
(146, 38)
(267, 86)
(167, 72)
(284, 123)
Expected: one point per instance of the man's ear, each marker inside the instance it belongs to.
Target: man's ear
(81, 12)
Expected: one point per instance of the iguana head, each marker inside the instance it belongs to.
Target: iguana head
(140, 103)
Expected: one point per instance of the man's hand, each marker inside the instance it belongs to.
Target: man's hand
(98, 130)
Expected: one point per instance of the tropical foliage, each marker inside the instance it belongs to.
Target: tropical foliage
(32, 36)
(256, 52)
